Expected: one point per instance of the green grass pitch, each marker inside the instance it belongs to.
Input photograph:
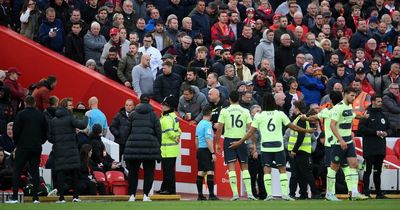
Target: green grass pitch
(390, 204)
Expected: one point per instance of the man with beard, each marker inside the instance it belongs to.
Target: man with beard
(222, 31)
(235, 24)
(129, 15)
(360, 37)
(192, 79)
(160, 37)
(172, 28)
(184, 52)
(219, 66)
(246, 43)
(229, 79)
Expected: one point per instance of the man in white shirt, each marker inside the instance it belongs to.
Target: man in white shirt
(155, 55)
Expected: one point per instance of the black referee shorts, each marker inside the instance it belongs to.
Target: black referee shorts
(204, 160)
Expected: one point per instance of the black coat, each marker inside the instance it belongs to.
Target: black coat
(30, 130)
(377, 121)
(166, 85)
(119, 127)
(64, 139)
(144, 139)
(74, 48)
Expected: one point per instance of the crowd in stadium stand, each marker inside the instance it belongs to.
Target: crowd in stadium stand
(198, 52)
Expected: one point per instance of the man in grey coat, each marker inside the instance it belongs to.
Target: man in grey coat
(191, 104)
(266, 49)
(391, 107)
(142, 77)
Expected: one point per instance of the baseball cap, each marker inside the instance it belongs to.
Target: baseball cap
(14, 70)
(114, 31)
(218, 47)
(167, 56)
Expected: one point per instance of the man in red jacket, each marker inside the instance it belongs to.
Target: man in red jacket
(18, 93)
(222, 31)
(42, 92)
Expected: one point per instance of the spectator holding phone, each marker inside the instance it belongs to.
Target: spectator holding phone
(51, 31)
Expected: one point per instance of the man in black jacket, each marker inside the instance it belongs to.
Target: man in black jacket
(142, 146)
(74, 44)
(119, 125)
(167, 83)
(374, 130)
(30, 132)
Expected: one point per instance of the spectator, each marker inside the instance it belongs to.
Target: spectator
(216, 102)
(142, 146)
(184, 52)
(17, 92)
(74, 44)
(172, 28)
(51, 31)
(140, 25)
(42, 92)
(316, 52)
(116, 41)
(374, 131)
(298, 21)
(29, 18)
(229, 79)
(212, 82)
(160, 36)
(330, 69)
(192, 79)
(140, 8)
(249, 62)
(62, 10)
(95, 115)
(360, 103)
(104, 22)
(222, 31)
(247, 42)
(392, 76)
(365, 86)
(191, 104)
(242, 71)
(339, 77)
(5, 15)
(292, 95)
(187, 27)
(65, 148)
(391, 107)
(142, 77)
(93, 43)
(170, 147)
(6, 110)
(29, 132)
(219, 66)
(319, 22)
(76, 18)
(119, 125)
(167, 84)
(261, 84)
(6, 139)
(283, 23)
(6, 171)
(127, 63)
(360, 37)
(247, 101)
(154, 54)
(154, 17)
(266, 49)
(201, 21)
(200, 63)
(283, 8)
(340, 24)
(374, 77)
(129, 15)
(310, 86)
(285, 54)
(176, 68)
(235, 24)
(325, 101)
(111, 64)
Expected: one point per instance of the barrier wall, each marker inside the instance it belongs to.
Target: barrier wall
(36, 62)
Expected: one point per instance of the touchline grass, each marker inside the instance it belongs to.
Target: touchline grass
(390, 204)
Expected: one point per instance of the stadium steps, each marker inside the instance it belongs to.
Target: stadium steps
(85, 198)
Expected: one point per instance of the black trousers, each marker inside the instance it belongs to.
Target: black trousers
(133, 167)
(293, 177)
(257, 176)
(304, 173)
(121, 151)
(21, 158)
(168, 169)
(61, 174)
(374, 162)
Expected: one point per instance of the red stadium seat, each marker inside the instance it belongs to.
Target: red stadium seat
(396, 148)
(101, 177)
(117, 183)
(43, 160)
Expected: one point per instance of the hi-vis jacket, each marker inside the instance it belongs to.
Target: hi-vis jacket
(306, 144)
(170, 132)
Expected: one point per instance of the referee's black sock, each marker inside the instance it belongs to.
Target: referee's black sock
(199, 183)
(210, 184)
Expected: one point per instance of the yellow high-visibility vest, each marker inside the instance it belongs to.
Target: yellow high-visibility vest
(170, 131)
(306, 145)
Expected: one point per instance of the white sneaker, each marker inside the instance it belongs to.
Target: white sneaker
(36, 202)
(251, 198)
(235, 198)
(287, 198)
(76, 200)
(331, 197)
(12, 201)
(52, 193)
(269, 198)
(146, 198)
(132, 198)
(62, 201)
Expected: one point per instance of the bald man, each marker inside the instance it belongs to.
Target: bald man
(96, 116)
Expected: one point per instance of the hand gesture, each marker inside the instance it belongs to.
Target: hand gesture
(235, 144)
(343, 145)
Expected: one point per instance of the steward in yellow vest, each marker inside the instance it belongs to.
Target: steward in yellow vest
(170, 147)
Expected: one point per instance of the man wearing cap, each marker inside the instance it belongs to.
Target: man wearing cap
(142, 147)
(360, 37)
(167, 83)
(176, 68)
(122, 47)
(310, 86)
(170, 147)
(17, 92)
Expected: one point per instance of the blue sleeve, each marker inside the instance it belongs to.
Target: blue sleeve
(306, 82)
(43, 34)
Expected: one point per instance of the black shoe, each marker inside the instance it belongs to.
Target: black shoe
(213, 198)
(158, 191)
(381, 196)
(165, 192)
(201, 198)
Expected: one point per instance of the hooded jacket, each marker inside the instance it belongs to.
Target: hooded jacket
(42, 94)
(194, 106)
(311, 88)
(265, 49)
(144, 139)
(64, 139)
